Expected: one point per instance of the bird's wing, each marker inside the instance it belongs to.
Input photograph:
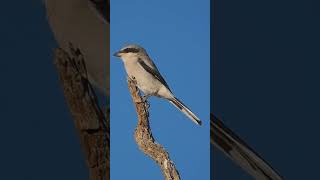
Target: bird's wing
(237, 150)
(154, 72)
(102, 8)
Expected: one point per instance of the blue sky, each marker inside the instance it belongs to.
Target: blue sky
(176, 36)
(45, 142)
(267, 54)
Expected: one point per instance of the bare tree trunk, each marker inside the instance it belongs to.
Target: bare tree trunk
(91, 123)
(145, 140)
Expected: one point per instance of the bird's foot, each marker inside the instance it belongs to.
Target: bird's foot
(145, 98)
(133, 79)
(146, 104)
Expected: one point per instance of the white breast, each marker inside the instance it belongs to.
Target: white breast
(145, 81)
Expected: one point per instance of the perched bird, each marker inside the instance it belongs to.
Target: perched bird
(85, 24)
(149, 80)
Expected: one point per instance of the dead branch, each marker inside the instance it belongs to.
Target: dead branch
(145, 140)
(91, 123)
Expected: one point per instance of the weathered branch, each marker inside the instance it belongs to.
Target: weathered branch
(91, 123)
(145, 140)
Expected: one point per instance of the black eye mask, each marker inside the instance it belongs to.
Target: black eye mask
(132, 50)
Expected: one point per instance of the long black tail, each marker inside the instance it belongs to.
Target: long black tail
(237, 150)
(183, 108)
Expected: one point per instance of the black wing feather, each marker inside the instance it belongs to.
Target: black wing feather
(154, 73)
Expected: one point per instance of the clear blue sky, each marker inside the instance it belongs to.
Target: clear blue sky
(176, 36)
(268, 72)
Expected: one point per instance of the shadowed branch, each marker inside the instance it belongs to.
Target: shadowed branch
(91, 123)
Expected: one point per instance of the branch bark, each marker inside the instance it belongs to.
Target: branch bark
(91, 123)
(144, 138)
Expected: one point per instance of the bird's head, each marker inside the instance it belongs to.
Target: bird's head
(131, 51)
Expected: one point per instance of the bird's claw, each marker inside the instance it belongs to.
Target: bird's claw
(144, 99)
(146, 104)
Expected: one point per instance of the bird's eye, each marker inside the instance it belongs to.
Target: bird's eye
(132, 50)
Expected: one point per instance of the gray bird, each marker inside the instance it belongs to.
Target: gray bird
(149, 80)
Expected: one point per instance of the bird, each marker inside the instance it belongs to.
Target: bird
(142, 69)
(86, 25)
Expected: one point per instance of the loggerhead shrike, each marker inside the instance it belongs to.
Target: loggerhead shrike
(149, 80)
(86, 24)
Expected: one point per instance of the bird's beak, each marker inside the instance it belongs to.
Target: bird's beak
(117, 54)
